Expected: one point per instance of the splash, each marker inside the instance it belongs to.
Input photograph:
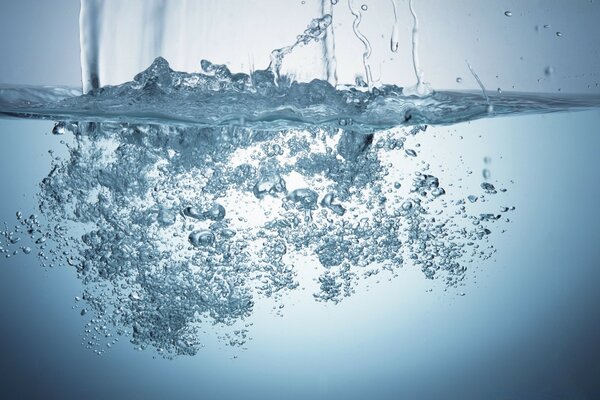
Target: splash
(219, 98)
(313, 32)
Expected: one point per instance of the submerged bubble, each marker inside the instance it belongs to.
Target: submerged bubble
(62, 128)
(271, 184)
(329, 201)
(488, 187)
(364, 7)
(508, 13)
(202, 238)
(216, 212)
(306, 198)
(459, 80)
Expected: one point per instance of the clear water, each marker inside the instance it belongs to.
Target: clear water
(195, 209)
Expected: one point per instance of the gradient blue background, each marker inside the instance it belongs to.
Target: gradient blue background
(528, 328)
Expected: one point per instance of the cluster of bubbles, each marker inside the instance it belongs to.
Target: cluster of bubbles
(173, 228)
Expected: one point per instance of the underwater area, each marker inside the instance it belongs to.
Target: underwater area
(317, 199)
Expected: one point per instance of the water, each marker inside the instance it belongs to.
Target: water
(189, 211)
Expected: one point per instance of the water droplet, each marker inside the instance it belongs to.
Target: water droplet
(26, 250)
(508, 13)
(472, 198)
(394, 41)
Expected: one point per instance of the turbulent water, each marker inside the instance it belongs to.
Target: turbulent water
(188, 197)
(218, 97)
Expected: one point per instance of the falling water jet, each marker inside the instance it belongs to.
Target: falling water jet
(315, 30)
(89, 37)
(421, 89)
(395, 34)
(367, 53)
(329, 45)
(485, 95)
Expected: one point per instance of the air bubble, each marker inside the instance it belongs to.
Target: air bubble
(201, 238)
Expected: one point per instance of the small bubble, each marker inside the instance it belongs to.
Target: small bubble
(410, 152)
(486, 173)
(472, 198)
(364, 7)
(334, 2)
(499, 91)
(549, 70)
(508, 13)
(459, 80)
(559, 34)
